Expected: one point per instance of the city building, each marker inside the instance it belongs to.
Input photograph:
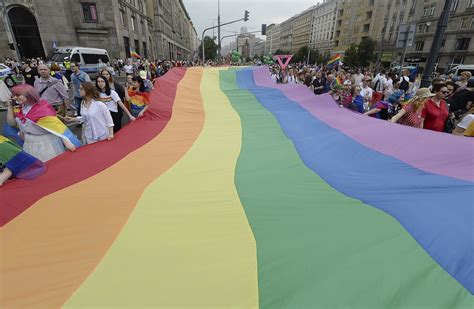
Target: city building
(152, 28)
(245, 43)
(398, 12)
(259, 47)
(358, 19)
(324, 25)
(272, 43)
(173, 33)
(286, 35)
(458, 42)
(31, 28)
(301, 25)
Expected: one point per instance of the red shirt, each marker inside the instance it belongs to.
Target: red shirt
(434, 116)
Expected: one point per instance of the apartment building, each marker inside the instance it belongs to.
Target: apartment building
(458, 42)
(358, 19)
(324, 25)
(301, 29)
(272, 42)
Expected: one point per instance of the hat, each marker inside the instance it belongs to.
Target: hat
(347, 82)
(423, 93)
(394, 97)
(142, 74)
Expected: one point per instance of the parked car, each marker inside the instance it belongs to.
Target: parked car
(457, 70)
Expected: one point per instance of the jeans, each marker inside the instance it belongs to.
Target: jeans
(77, 104)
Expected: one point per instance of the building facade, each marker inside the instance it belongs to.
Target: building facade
(259, 48)
(301, 33)
(286, 35)
(358, 19)
(324, 25)
(30, 27)
(458, 41)
(173, 32)
(272, 44)
(152, 28)
(245, 43)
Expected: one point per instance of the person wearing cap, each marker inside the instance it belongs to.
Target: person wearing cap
(412, 113)
(346, 93)
(146, 82)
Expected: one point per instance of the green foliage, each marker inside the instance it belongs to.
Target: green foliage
(210, 48)
(351, 56)
(366, 50)
(360, 55)
(281, 52)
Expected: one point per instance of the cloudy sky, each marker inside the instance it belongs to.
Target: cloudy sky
(202, 13)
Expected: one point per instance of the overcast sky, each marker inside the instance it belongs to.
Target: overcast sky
(202, 13)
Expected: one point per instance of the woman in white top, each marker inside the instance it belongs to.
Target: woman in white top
(97, 124)
(112, 100)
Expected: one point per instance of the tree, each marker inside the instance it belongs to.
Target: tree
(365, 51)
(281, 52)
(351, 56)
(300, 55)
(210, 48)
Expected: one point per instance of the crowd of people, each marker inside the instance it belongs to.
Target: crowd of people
(40, 111)
(445, 106)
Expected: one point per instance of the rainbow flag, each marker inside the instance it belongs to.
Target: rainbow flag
(334, 60)
(44, 116)
(134, 54)
(234, 192)
(21, 164)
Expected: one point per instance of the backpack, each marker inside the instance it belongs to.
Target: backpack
(404, 84)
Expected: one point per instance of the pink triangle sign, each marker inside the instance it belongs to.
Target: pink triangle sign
(279, 59)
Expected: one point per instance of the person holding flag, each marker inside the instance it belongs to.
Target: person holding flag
(44, 135)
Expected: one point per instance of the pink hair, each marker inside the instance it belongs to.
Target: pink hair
(32, 96)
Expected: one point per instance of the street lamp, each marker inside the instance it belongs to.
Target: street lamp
(436, 46)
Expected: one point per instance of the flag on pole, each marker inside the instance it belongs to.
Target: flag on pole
(334, 60)
(134, 54)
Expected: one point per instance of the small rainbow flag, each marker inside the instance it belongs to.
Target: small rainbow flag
(334, 60)
(134, 54)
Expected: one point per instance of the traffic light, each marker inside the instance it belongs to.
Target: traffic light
(246, 16)
(264, 29)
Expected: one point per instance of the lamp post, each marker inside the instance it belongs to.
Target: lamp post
(436, 46)
(246, 17)
(218, 30)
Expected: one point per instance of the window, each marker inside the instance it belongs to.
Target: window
(137, 46)
(454, 5)
(371, 2)
(472, 22)
(366, 28)
(464, 23)
(429, 11)
(462, 44)
(143, 22)
(471, 4)
(419, 46)
(94, 58)
(368, 15)
(90, 12)
(76, 58)
(123, 18)
(145, 52)
(134, 24)
(126, 43)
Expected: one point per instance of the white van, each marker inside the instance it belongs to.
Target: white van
(86, 56)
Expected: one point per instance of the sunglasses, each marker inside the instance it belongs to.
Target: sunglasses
(445, 92)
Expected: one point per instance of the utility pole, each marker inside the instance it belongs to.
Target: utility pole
(436, 46)
(246, 17)
(218, 30)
